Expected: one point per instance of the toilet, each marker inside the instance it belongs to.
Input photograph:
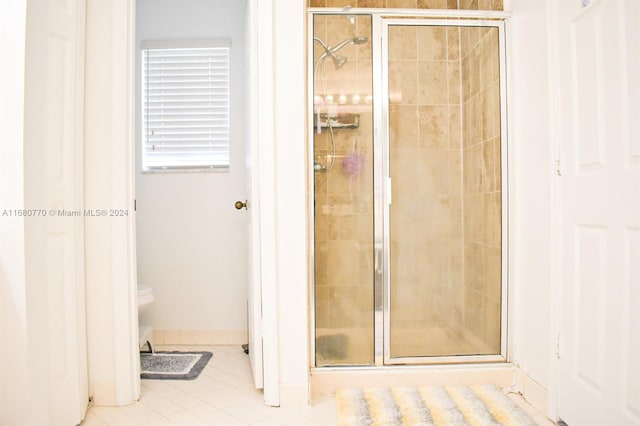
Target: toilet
(145, 332)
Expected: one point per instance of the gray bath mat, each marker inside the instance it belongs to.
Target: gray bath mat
(173, 365)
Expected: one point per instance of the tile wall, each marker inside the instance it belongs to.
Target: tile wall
(482, 196)
(412, 4)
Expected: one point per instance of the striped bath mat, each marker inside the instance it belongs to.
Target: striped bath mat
(473, 405)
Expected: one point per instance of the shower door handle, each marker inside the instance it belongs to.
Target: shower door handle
(378, 260)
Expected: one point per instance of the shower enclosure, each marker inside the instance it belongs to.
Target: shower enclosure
(408, 155)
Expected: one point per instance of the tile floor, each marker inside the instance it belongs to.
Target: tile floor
(222, 395)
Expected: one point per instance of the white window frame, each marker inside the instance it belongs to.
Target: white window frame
(212, 137)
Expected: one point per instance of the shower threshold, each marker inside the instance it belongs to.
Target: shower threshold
(326, 380)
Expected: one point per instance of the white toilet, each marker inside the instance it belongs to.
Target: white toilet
(145, 332)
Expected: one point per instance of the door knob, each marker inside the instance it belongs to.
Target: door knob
(240, 204)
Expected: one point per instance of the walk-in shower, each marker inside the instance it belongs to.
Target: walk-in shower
(408, 149)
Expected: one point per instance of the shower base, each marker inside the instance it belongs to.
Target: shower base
(327, 380)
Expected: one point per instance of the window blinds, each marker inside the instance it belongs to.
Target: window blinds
(185, 108)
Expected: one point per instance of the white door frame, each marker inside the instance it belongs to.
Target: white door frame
(114, 369)
(110, 269)
(555, 122)
(263, 162)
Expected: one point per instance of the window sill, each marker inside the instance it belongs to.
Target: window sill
(171, 170)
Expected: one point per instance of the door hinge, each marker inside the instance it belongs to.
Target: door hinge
(135, 205)
(558, 346)
(258, 330)
(558, 169)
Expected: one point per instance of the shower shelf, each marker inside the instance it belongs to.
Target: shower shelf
(339, 121)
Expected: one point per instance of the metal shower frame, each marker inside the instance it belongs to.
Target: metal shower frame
(381, 20)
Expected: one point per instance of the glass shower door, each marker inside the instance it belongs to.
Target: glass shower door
(443, 224)
(343, 190)
(407, 165)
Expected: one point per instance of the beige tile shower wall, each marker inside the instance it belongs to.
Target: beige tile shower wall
(412, 4)
(426, 170)
(481, 183)
(344, 201)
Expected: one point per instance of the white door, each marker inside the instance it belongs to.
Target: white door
(599, 352)
(54, 128)
(254, 293)
(254, 298)
(263, 314)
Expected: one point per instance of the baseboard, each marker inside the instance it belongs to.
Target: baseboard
(327, 381)
(199, 337)
(103, 394)
(532, 391)
(294, 396)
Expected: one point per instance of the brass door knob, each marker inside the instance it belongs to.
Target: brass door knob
(239, 205)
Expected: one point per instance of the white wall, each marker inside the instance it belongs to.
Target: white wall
(185, 220)
(291, 203)
(530, 137)
(14, 396)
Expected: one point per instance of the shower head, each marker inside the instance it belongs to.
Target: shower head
(339, 61)
(354, 40)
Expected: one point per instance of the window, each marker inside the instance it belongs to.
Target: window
(185, 106)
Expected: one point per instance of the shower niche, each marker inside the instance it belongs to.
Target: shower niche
(408, 151)
(337, 121)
